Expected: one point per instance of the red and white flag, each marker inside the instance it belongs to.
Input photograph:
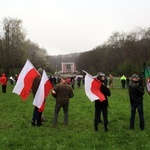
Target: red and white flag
(42, 92)
(25, 79)
(92, 88)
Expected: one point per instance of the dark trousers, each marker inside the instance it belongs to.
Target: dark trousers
(56, 112)
(139, 107)
(97, 114)
(99, 119)
(123, 82)
(4, 88)
(37, 116)
(72, 86)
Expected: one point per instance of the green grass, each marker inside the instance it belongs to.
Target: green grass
(16, 132)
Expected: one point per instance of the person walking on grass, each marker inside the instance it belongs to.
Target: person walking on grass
(62, 92)
(102, 106)
(136, 93)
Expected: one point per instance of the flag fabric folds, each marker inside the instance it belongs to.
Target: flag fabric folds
(147, 78)
(25, 79)
(92, 88)
(42, 92)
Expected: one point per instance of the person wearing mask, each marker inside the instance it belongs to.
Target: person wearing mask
(102, 106)
(62, 92)
(136, 93)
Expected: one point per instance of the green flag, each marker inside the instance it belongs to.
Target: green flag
(147, 78)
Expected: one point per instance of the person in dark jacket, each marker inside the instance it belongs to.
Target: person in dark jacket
(127, 81)
(62, 92)
(37, 115)
(136, 93)
(102, 106)
(79, 82)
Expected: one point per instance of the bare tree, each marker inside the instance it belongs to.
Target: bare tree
(37, 55)
(11, 44)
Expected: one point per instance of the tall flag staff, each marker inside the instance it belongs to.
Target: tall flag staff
(147, 78)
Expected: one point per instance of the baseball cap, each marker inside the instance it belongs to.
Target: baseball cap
(134, 76)
(100, 75)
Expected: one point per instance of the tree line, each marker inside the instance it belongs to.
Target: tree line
(15, 49)
(122, 53)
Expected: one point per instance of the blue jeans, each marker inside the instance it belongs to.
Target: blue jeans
(139, 108)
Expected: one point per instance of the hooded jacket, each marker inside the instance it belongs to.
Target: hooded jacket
(3, 79)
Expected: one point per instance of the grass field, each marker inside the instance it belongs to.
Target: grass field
(17, 133)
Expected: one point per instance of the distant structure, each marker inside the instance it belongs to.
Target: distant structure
(68, 67)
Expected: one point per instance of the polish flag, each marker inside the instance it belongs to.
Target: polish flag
(42, 92)
(25, 79)
(92, 88)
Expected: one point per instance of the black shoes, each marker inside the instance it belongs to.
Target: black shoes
(96, 128)
(106, 129)
(33, 123)
(39, 124)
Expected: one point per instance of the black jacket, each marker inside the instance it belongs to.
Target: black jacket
(106, 92)
(136, 92)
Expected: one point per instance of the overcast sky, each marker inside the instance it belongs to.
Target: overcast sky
(68, 26)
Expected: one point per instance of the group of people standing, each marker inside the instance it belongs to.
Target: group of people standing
(136, 92)
(62, 92)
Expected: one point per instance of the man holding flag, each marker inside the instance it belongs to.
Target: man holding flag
(101, 106)
(36, 113)
(30, 79)
(98, 92)
(40, 88)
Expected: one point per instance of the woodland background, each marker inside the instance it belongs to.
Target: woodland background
(123, 53)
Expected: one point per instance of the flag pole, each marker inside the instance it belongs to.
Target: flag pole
(144, 70)
(87, 73)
